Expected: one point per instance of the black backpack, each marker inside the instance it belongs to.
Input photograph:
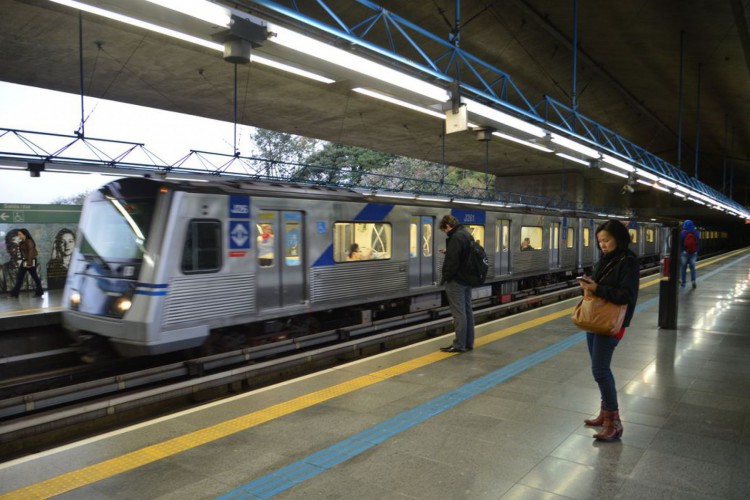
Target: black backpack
(476, 265)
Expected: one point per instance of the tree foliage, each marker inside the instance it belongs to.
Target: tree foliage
(311, 160)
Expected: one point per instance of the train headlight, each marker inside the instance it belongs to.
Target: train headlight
(75, 300)
(122, 305)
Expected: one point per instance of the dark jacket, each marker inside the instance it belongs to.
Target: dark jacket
(28, 251)
(620, 285)
(456, 253)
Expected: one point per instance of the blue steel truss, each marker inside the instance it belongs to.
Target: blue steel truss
(427, 55)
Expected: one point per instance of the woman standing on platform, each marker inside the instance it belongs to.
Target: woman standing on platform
(28, 253)
(616, 280)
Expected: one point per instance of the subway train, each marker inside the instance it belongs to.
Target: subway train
(161, 266)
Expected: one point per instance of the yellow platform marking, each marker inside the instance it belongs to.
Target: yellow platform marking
(21, 312)
(138, 458)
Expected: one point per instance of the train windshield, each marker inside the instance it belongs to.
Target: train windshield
(116, 229)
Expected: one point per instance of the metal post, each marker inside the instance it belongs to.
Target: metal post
(698, 123)
(575, 54)
(669, 281)
(679, 104)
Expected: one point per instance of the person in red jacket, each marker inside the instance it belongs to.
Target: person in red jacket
(28, 254)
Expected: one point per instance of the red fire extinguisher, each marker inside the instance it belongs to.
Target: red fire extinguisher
(665, 261)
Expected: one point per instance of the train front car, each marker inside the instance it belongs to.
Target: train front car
(114, 252)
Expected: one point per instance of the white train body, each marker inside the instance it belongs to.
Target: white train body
(159, 264)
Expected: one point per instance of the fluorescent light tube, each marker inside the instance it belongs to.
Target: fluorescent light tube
(290, 69)
(575, 146)
(615, 162)
(331, 54)
(646, 175)
(502, 118)
(399, 102)
(614, 172)
(140, 24)
(573, 158)
(199, 9)
(521, 141)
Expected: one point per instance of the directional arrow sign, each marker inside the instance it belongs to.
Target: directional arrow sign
(4, 216)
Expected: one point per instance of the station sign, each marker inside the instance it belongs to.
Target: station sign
(16, 214)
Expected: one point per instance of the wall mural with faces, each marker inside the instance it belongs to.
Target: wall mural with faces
(55, 243)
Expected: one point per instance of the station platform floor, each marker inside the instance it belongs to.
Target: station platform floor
(27, 311)
(504, 421)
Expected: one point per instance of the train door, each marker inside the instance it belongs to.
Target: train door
(502, 247)
(280, 247)
(554, 245)
(421, 251)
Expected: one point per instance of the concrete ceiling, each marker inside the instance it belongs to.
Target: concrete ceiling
(628, 80)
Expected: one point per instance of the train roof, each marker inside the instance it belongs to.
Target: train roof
(140, 186)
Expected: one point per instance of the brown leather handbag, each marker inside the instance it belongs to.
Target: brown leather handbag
(598, 315)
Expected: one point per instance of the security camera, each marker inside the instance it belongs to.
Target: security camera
(627, 189)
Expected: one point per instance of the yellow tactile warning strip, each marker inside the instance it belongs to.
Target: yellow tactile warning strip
(37, 310)
(103, 470)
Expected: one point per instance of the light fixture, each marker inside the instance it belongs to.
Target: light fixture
(391, 194)
(572, 158)
(399, 102)
(290, 69)
(429, 197)
(140, 24)
(647, 175)
(466, 201)
(615, 162)
(521, 141)
(496, 204)
(199, 9)
(502, 118)
(614, 172)
(331, 54)
(574, 146)
(667, 183)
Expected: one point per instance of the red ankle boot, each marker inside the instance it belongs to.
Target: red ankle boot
(612, 427)
(596, 422)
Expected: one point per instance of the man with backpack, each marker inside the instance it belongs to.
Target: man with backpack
(457, 283)
(689, 247)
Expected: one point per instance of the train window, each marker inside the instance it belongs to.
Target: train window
(202, 250)
(633, 235)
(477, 232)
(569, 242)
(413, 239)
(426, 239)
(354, 241)
(531, 238)
(266, 245)
(293, 231)
(649, 235)
(501, 235)
(586, 236)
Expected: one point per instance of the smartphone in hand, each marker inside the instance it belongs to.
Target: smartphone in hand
(585, 279)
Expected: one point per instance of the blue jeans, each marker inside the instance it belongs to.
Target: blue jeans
(688, 259)
(459, 300)
(601, 348)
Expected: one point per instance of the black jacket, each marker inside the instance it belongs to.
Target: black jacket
(620, 285)
(456, 253)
